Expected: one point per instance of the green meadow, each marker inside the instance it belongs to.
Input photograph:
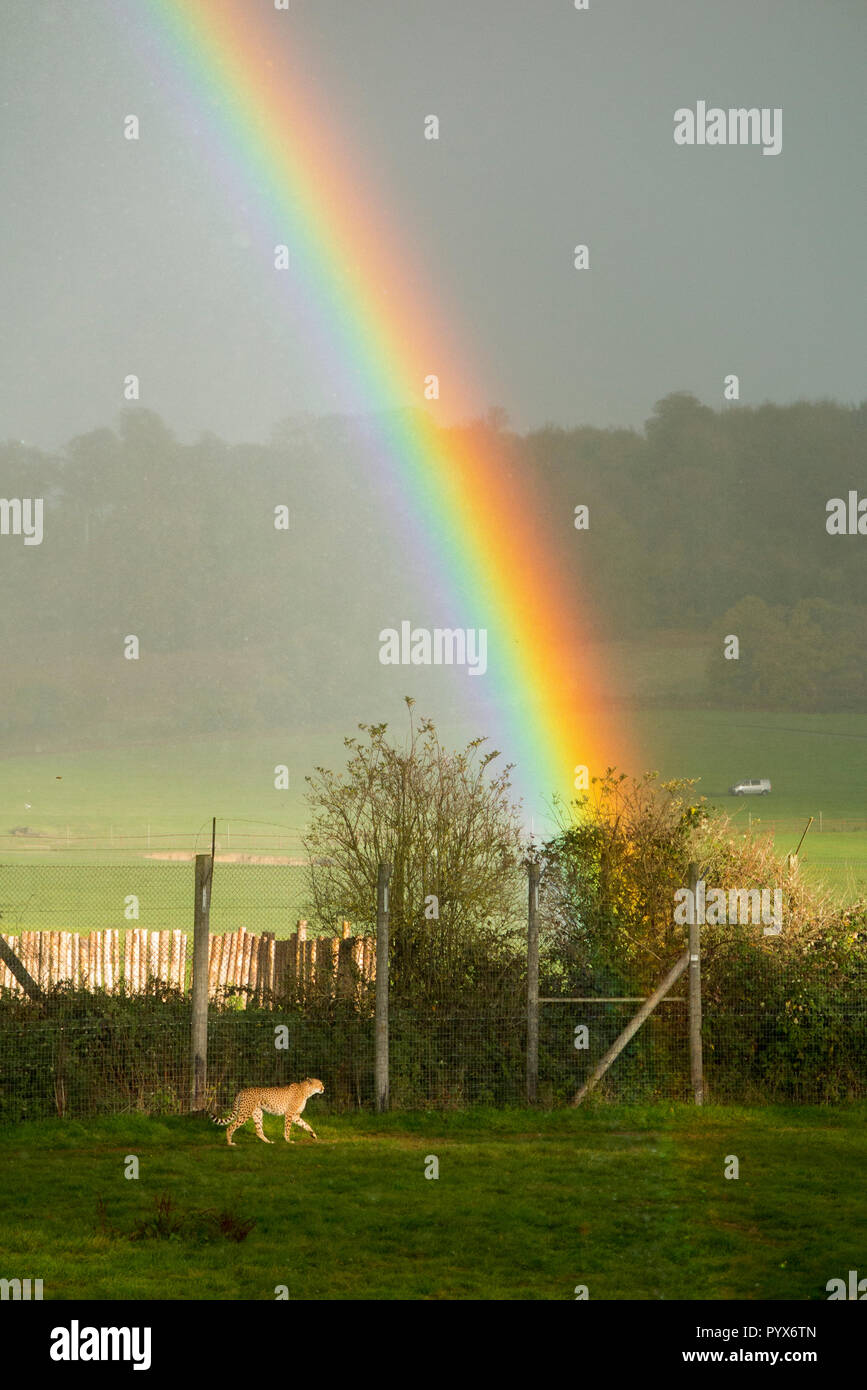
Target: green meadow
(120, 805)
(817, 764)
(118, 796)
(631, 1202)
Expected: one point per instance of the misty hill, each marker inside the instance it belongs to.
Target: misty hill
(246, 626)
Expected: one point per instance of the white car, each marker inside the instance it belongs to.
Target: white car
(751, 786)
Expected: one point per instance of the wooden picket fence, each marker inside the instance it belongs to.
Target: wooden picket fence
(255, 965)
(52, 957)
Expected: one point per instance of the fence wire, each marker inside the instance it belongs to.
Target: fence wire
(156, 896)
(774, 1034)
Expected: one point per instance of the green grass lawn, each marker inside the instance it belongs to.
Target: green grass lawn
(631, 1202)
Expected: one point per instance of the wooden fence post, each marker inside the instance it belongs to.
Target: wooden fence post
(201, 941)
(533, 983)
(22, 975)
(380, 1053)
(301, 957)
(696, 1074)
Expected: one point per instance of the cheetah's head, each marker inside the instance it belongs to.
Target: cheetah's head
(316, 1087)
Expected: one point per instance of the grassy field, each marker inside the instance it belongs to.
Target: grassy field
(118, 805)
(817, 765)
(631, 1202)
(117, 796)
(85, 897)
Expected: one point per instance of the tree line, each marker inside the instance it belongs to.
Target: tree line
(703, 520)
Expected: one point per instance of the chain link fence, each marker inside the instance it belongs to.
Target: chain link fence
(261, 897)
(72, 1063)
(780, 1035)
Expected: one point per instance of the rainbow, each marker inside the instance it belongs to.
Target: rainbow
(491, 555)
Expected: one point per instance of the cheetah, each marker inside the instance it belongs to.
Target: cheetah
(276, 1100)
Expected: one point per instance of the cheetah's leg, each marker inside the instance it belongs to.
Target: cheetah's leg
(287, 1127)
(257, 1121)
(296, 1119)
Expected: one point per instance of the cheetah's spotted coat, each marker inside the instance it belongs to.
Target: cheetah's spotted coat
(276, 1100)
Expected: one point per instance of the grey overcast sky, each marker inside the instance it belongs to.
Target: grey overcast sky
(556, 128)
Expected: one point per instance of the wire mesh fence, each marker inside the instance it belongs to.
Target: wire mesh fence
(129, 1057)
(159, 897)
(136, 1058)
(775, 1032)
